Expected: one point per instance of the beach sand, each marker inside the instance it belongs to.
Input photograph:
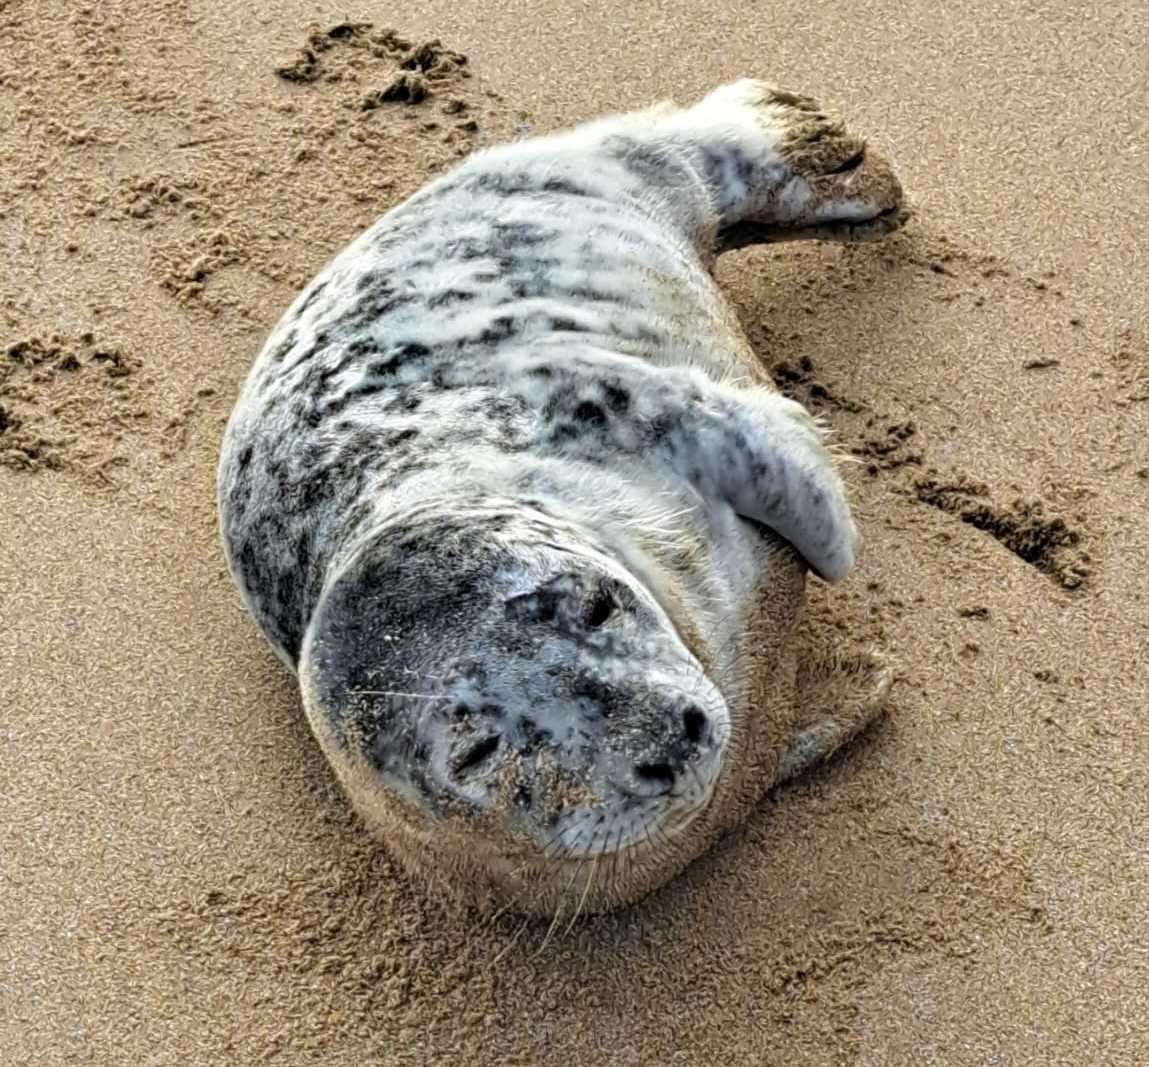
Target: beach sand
(182, 882)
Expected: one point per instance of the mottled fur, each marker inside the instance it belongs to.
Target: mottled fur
(504, 482)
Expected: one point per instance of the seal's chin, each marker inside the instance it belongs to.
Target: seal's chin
(628, 823)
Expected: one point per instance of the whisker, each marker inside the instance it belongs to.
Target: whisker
(553, 926)
(582, 899)
(396, 693)
(507, 947)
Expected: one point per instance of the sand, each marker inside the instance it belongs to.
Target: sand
(182, 882)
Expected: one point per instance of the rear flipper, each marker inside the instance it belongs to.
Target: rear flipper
(748, 163)
(839, 695)
(779, 167)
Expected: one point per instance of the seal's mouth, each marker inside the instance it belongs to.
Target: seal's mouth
(644, 835)
(631, 825)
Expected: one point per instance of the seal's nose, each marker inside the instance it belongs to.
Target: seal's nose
(658, 776)
(695, 725)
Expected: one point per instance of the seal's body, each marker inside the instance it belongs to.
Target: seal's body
(509, 490)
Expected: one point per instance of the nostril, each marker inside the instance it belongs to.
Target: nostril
(656, 774)
(476, 754)
(694, 722)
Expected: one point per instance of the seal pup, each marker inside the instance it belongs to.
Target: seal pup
(509, 490)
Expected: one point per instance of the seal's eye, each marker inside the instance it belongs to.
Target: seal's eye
(475, 755)
(601, 607)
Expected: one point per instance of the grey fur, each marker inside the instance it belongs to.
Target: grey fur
(510, 442)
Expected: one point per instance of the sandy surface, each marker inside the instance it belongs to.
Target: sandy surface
(182, 883)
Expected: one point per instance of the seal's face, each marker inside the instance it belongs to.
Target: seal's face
(509, 675)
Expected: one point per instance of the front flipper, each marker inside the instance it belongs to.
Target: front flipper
(765, 455)
(750, 448)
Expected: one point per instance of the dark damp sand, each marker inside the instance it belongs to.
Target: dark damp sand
(182, 884)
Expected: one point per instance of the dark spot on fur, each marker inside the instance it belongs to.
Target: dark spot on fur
(505, 183)
(617, 398)
(466, 249)
(382, 301)
(660, 426)
(317, 378)
(647, 161)
(316, 292)
(450, 296)
(499, 330)
(279, 353)
(401, 437)
(358, 514)
(723, 168)
(590, 413)
(360, 348)
(745, 167)
(317, 347)
(247, 558)
(395, 359)
(498, 523)
(410, 402)
(559, 398)
(564, 185)
(523, 234)
(603, 698)
(568, 324)
(349, 396)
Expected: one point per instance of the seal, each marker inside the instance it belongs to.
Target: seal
(510, 492)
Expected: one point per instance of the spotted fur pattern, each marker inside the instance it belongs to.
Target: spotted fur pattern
(494, 483)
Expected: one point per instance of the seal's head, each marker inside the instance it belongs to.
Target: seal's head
(505, 701)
